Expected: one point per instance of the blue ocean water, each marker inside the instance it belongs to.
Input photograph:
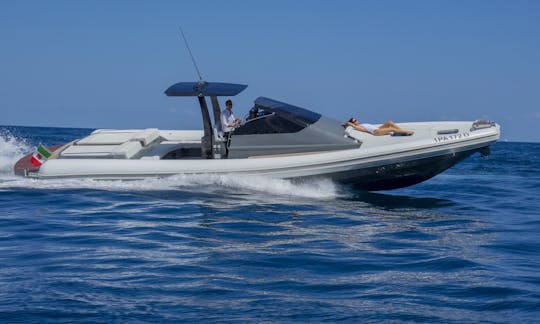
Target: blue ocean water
(462, 247)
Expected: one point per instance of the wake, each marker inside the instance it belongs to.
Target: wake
(203, 183)
(13, 148)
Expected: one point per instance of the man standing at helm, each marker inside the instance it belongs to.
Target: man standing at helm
(228, 123)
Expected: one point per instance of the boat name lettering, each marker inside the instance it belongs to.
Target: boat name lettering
(445, 138)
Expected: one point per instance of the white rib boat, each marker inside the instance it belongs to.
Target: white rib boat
(278, 140)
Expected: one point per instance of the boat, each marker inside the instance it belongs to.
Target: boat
(277, 140)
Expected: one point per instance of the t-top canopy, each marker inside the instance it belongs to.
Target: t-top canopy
(203, 88)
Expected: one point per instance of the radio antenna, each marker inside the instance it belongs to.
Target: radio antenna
(190, 54)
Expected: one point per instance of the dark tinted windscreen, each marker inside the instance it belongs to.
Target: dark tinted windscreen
(269, 124)
(275, 117)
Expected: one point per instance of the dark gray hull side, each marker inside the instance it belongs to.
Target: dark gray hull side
(400, 174)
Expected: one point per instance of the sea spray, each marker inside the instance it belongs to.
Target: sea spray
(12, 149)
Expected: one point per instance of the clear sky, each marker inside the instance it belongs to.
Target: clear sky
(105, 64)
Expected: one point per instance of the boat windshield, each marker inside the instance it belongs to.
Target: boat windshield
(274, 117)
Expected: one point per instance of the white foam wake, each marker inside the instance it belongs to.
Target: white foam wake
(209, 183)
(11, 150)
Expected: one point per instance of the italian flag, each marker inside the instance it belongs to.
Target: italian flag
(40, 156)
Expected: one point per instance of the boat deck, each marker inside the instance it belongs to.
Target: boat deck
(129, 144)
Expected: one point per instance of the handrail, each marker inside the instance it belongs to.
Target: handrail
(260, 117)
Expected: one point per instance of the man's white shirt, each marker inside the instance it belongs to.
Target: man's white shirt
(227, 118)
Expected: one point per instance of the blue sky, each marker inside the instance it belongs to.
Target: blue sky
(105, 64)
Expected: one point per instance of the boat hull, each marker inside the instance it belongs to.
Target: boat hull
(383, 172)
(400, 174)
(379, 163)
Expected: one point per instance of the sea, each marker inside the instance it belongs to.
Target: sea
(462, 247)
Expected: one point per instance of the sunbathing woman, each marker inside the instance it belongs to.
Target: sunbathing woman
(387, 128)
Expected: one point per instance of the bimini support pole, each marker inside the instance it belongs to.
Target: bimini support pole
(219, 144)
(206, 140)
(216, 110)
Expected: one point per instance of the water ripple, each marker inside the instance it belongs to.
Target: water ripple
(203, 250)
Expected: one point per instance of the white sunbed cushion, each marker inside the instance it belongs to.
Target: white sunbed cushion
(106, 138)
(82, 151)
(146, 136)
(126, 150)
(117, 137)
(350, 132)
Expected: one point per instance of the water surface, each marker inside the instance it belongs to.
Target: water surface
(459, 248)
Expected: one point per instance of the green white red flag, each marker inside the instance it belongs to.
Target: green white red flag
(40, 156)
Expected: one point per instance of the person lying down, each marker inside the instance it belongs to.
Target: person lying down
(385, 129)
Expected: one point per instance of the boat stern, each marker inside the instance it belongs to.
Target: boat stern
(24, 166)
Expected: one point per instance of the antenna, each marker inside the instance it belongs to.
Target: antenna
(191, 54)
